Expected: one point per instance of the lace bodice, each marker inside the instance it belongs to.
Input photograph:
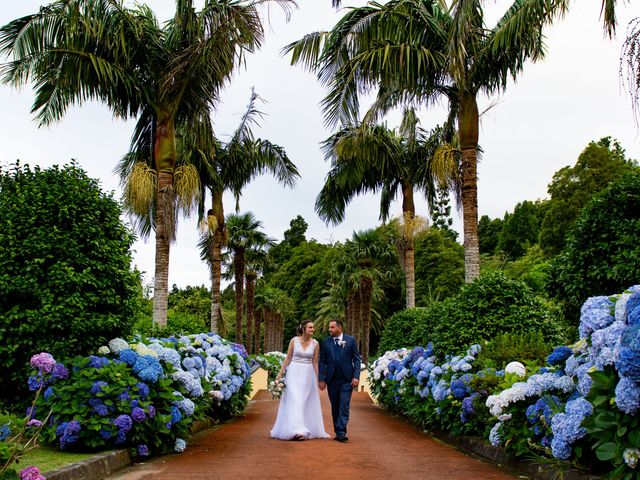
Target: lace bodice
(301, 355)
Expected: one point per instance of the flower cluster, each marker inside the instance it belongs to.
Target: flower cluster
(566, 427)
(277, 387)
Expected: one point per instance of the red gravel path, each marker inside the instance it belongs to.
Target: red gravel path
(380, 447)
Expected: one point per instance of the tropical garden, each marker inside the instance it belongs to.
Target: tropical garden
(100, 360)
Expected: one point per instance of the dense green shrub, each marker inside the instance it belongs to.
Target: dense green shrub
(506, 347)
(66, 283)
(602, 255)
(492, 305)
(400, 329)
(177, 324)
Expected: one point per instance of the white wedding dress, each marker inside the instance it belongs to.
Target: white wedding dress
(299, 412)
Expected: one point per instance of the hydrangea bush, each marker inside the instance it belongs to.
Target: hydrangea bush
(18, 436)
(444, 393)
(145, 394)
(586, 399)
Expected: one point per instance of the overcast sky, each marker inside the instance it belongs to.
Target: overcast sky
(537, 126)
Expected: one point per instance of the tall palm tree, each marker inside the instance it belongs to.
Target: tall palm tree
(166, 76)
(256, 258)
(394, 162)
(244, 233)
(419, 51)
(230, 167)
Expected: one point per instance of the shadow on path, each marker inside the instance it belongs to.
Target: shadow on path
(380, 447)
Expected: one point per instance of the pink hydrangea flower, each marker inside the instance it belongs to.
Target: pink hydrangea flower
(31, 473)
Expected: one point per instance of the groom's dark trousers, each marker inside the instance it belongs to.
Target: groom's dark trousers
(340, 390)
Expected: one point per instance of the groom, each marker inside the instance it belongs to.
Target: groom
(339, 373)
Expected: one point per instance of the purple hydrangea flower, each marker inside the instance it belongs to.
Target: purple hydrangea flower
(59, 371)
(138, 415)
(34, 423)
(31, 473)
(123, 422)
(151, 411)
(143, 450)
(43, 361)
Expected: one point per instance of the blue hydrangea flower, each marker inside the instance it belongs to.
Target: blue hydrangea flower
(97, 362)
(627, 396)
(594, 315)
(105, 434)
(628, 363)
(5, 431)
(128, 356)
(566, 427)
(48, 393)
(495, 435)
(34, 383)
(59, 372)
(97, 387)
(559, 355)
(176, 416)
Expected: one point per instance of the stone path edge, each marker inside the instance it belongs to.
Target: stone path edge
(104, 464)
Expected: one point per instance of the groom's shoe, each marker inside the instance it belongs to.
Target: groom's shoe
(341, 439)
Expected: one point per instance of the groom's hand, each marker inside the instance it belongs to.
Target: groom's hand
(322, 385)
(355, 382)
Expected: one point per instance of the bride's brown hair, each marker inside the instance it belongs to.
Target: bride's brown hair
(301, 328)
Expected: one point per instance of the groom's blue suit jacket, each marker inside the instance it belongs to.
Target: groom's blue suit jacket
(344, 359)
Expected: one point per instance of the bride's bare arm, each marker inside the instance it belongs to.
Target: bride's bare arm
(316, 355)
(286, 361)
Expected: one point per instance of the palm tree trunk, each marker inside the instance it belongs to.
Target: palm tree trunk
(268, 328)
(280, 331)
(164, 154)
(216, 260)
(256, 333)
(349, 315)
(366, 291)
(468, 131)
(357, 317)
(238, 266)
(409, 212)
(250, 280)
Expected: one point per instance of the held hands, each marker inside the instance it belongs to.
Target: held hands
(322, 385)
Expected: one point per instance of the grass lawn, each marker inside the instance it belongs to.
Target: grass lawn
(49, 458)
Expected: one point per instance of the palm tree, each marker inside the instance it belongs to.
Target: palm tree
(395, 162)
(244, 233)
(256, 258)
(166, 76)
(418, 51)
(230, 167)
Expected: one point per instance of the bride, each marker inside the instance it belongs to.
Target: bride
(299, 414)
